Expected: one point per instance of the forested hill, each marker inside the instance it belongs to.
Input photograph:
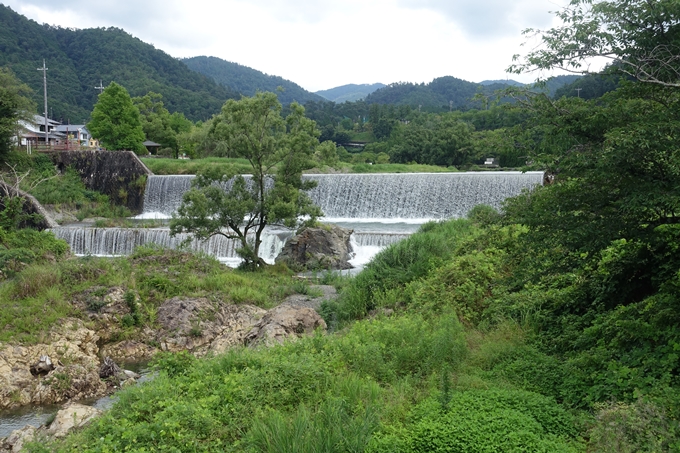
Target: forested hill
(78, 59)
(350, 93)
(247, 81)
(437, 94)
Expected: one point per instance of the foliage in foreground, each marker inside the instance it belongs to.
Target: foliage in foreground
(376, 387)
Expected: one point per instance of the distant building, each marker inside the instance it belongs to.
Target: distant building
(76, 133)
(59, 136)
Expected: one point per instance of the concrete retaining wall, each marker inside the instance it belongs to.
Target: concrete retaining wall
(118, 174)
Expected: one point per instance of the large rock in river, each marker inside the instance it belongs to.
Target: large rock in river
(326, 247)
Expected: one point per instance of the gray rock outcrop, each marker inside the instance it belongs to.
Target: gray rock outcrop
(284, 322)
(71, 416)
(201, 326)
(327, 247)
(72, 349)
(16, 440)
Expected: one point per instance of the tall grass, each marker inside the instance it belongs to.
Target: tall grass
(382, 281)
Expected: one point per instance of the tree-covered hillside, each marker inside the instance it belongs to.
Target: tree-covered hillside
(78, 59)
(351, 92)
(448, 92)
(248, 81)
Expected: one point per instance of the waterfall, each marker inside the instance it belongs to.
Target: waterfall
(377, 239)
(122, 241)
(402, 196)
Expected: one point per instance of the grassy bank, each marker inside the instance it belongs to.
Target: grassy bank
(421, 358)
(42, 293)
(163, 166)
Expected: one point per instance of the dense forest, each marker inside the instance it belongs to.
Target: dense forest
(78, 60)
(248, 81)
(448, 92)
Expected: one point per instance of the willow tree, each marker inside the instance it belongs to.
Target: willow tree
(237, 207)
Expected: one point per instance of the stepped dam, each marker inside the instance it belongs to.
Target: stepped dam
(408, 196)
(381, 208)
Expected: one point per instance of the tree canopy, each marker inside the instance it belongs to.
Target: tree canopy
(14, 105)
(278, 150)
(116, 122)
(639, 38)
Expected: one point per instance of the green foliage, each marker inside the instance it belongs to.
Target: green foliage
(637, 427)
(14, 105)
(39, 294)
(639, 38)
(79, 58)
(115, 120)
(158, 124)
(278, 149)
(488, 420)
(25, 246)
(382, 281)
(247, 81)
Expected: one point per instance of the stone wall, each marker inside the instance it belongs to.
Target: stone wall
(118, 174)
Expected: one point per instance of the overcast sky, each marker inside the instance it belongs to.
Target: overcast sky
(324, 43)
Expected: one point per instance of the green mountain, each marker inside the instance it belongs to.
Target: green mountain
(435, 95)
(247, 81)
(449, 92)
(78, 59)
(350, 93)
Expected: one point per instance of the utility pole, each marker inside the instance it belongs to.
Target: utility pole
(44, 70)
(100, 87)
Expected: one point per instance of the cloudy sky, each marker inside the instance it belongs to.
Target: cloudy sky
(324, 43)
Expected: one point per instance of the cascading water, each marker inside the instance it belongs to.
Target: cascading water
(122, 241)
(354, 197)
(371, 200)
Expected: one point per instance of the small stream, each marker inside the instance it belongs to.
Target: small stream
(14, 419)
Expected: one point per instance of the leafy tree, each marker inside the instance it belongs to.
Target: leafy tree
(14, 105)
(640, 38)
(115, 120)
(278, 149)
(157, 122)
(599, 255)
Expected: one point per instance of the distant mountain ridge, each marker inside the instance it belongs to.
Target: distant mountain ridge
(248, 81)
(78, 59)
(351, 92)
(449, 92)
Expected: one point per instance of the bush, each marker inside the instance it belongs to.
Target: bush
(481, 421)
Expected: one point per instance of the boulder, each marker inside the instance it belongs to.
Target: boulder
(42, 367)
(327, 247)
(284, 322)
(201, 326)
(71, 416)
(16, 440)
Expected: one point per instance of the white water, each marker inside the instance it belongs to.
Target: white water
(122, 241)
(380, 208)
(404, 197)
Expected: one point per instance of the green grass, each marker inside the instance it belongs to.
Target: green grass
(37, 297)
(399, 168)
(376, 387)
(162, 166)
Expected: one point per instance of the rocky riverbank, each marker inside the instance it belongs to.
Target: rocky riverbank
(76, 348)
